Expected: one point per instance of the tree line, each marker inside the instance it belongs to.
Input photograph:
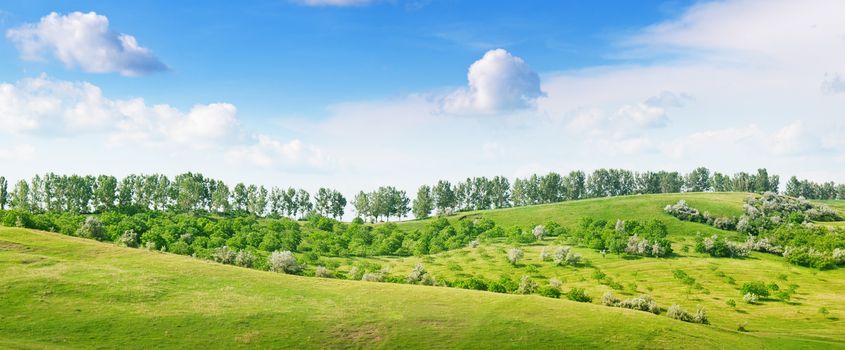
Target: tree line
(188, 192)
(479, 193)
(193, 192)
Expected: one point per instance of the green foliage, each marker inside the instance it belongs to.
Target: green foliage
(757, 287)
(578, 294)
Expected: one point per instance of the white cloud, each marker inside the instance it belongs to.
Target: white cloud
(498, 82)
(22, 152)
(333, 2)
(794, 139)
(84, 41)
(268, 152)
(47, 106)
(833, 83)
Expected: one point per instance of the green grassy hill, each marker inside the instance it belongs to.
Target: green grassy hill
(64, 292)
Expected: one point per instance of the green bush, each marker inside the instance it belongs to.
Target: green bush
(578, 294)
(758, 288)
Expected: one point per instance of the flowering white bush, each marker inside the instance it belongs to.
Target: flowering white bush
(420, 276)
(677, 312)
(244, 259)
(473, 243)
(643, 302)
(750, 298)
(539, 231)
(608, 299)
(555, 283)
(129, 238)
(223, 255)
(323, 272)
(526, 286)
(283, 262)
(544, 255)
(514, 255)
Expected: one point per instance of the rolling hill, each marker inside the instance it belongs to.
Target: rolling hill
(64, 292)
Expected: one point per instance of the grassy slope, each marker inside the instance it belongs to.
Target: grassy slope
(65, 292)
(797, 320)
(58, 291)
(639, 207)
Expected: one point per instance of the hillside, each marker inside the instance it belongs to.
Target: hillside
(64, 292)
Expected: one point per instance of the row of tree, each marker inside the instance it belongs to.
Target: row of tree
(193, 192)
(188, 192)
(813, 190)
(482, 193)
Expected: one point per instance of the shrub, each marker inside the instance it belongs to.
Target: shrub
(420, 276)
(223, 255)
(475, 283)
(514, 255)
(643, 302)
(354, 273)
(578, 294)
(284, 262)
(544, 255)
(244, 259)
(555, 283)
(92, 228)
(750, 298)
(731, 303)
(526, 286)
(608, 299)
(323, 272)
(129, 238)
(473, 243)
(758, 288)
(550, 292)
(565, 256)
(678, 313)
(700, 316)
(373, 277)
(539, 231)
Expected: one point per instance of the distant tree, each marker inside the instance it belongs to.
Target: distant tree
(4, 193)
(105, 194)
(698, 180)
(362, 205)
(444, 196)
(220, 198)
(552, 188)
(240, 198)
(500, 192)
(20, 196)
(303, 202)
(337, 204)
(424, 203)
(721, 182)
(321, 200)
(574, 183)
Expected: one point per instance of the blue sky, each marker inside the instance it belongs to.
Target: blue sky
(272, 57)
(354, 94)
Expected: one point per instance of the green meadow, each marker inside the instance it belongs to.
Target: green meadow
(64, 292)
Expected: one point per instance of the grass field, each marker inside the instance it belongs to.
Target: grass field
(64, 292)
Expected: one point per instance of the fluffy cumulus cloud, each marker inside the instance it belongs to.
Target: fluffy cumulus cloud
(498, 82)
(84, 41)
(48, 106)
(269, 152)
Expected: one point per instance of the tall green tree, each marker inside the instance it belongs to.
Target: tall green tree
(424, 203)
(4, 193)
